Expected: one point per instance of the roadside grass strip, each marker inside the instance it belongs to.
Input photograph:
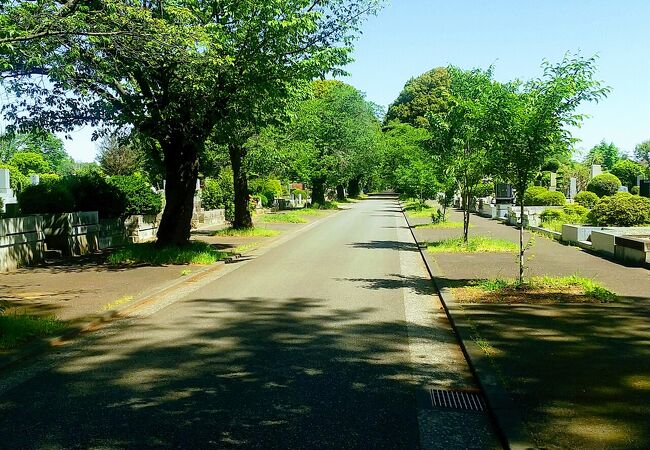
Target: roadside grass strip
(282, 217)
(477, 244)
(440, 225)
(195, 252)
(325, 206)
(553, 225)
(537, 290)
(246, 232)
(19, 328)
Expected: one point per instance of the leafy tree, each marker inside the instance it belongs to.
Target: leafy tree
(461, 135)
(642, 154)
(29, 162)
(627, 171)
(44, 143)
(118, 156)
(421, 96)
(533, 119)
(605, 153)
(177, 72)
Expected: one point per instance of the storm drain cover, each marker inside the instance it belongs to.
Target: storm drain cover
(467, 400)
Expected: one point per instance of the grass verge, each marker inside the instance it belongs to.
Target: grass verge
(17, 329)
(572, 289)
(477, 244)
(281, 217)
(148, 253)
(326, 205)
(246, 232)
(441, 225)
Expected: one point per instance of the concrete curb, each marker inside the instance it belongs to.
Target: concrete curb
(39, 347)
(502, 408)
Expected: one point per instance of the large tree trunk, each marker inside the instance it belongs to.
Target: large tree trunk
(340, 192)
(242, 213)
(317, 191)
(354, 187)
(181, 173)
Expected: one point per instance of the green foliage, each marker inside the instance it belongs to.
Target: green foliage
(590, 288)
(421, 96)
(622, 210)
(604, 184)
(635, 190)
(29, 163)
(267, 188)
(627, 171)
(642, 153)
(483, 190)
(119, 155)
(41, 142)
(297, 192)
(44, 198)
(17, 181)
(552, 165)
(571, 214)
(217, 193)
(195, 252)
(605, 154)
(540, 196)
(282, 217)
(587, 199)
(246, 232)
(138, 195)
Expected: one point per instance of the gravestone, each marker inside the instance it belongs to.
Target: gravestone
(198, 185)
(34, 180)
(573, 187)
(623, 189)
(504, 194)
(595, 170)
(553, 182)
(6, 193)
(644, 188)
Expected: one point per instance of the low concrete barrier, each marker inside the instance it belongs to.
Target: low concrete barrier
(72, 233)
(22, 242)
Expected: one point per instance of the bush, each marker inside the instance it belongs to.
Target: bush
(586, 199)
(211, 194)
(268, 187)
(139, 198)
(218, 193)
(622, 210)
(551, 214)
(635, 190)
(604, 184)
(627, 171)
(297, 192)
(48, 177)
(554, 218)
(46, 198)
(483, 190)
(539, 196)
(552, 165)
(17, 181)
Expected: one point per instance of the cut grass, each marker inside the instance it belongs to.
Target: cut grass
(195, 252)
(572, 289)
(477, 244)
(246, 232)
(326, 205)
(422, 213)
(553, 225)
(282, 217)
(442, 225)
(17, 329)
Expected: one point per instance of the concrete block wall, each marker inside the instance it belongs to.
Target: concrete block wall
(22, 242)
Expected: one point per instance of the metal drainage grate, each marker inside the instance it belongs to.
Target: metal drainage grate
(467, 400)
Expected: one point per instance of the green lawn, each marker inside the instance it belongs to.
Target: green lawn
(246, 232)
(441, 225)
(281, 217)
(17, 329)
(149, 253)
(476, 244)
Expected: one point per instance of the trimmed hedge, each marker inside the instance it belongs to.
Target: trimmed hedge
(586, 199)
(604, 184)
(540, 196)
(111, 197)
(621, 210)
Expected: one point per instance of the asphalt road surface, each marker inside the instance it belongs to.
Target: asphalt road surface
(326, 341)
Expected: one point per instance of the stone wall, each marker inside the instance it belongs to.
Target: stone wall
(73, 234)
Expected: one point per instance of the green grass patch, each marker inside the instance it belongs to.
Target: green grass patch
(246, 247)
(477, 244)
(553, 225)
(308, 212)
(195, 252)
(246, 232)
(573, 289)
(423, 213)
(326, 205)
(442, 225)
(281, 217)
(17, 329)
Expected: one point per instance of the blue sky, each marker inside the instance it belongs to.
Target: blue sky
(410, 37)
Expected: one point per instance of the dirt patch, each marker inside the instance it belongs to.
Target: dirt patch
(524, 295)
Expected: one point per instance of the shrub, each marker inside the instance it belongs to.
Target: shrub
(297, 192)
(552, 165)
(211, 194)
(635, 190)
(138, 196)
(268, 187)
(554, 218)
(218, 193)
(17, 181)
(93, 192)
(604, 184)
(539, 196)
(627, 171)
(622, 209)
(586, 199)
(551, 214)
(47, 177)
(483, 190)
(44, 198)
(29, 162)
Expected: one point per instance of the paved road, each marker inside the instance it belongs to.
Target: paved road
(324, 341)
